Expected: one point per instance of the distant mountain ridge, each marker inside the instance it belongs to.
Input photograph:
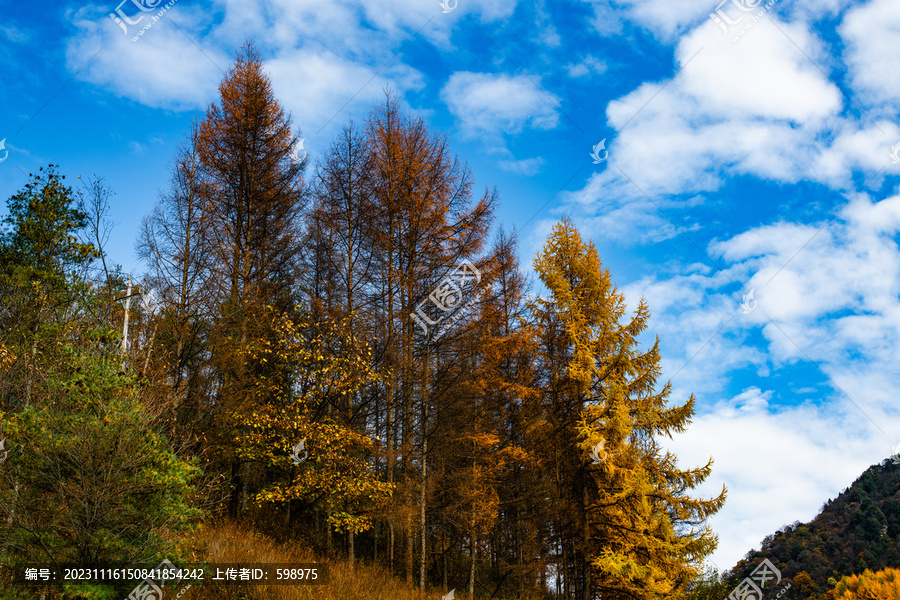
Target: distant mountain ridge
(858, 530)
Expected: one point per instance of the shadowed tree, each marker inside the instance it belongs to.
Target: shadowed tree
(175, 243)
(250, 192)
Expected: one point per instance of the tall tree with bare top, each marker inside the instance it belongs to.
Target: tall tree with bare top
(174, 242)
(394, 212)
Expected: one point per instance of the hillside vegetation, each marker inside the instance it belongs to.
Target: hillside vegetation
(857, 531)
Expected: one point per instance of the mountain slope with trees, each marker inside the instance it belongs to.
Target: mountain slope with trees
(858, 530)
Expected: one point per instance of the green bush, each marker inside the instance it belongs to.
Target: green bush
(88, 480)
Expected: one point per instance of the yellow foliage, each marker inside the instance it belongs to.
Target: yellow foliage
(883, 585)
(331, 363)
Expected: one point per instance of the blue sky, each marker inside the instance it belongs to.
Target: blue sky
(754, 162)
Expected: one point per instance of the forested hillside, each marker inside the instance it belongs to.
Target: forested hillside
(858, 530)
(342, 351)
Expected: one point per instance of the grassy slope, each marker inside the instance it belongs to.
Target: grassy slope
(228, 543)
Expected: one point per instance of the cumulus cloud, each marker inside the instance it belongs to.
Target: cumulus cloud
(757, 107)
(754, 107)
(662, 17)
(832, 308)
(669, 20)
(590, 65)
(494, 104)
(15, 35)
(104, 55)
(778, 464)
(322, 89)
(872, 34)
(356, 39)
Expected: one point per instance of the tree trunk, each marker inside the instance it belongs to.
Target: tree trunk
(125, 324)
(443, 556)
(409, 549)
(12, 516)
(389, 402)
(149, 349)
(518, 542)
(29, 369)
(352, 552)
(422, 494)
(234, 499)
(244, 479)
(328, 528)
(586, 556)
(472, 566)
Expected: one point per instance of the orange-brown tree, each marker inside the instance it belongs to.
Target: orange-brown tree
(486, 476)
(393, 212)
(426, 222)
(223, 247)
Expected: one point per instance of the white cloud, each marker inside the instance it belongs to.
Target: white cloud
(548, 35)
(668, 20)
(354, 39)
(315, 85)
(493, 104)
(756, 107)
(528, 166)
(102, 54)
(312, 82)
(763, 76)
(14, 34)
(872, 35)
(349, 28)
(779, 465)
(607, 20)
(835, 307)
(753, 107)
(662, 17)
(589, 66)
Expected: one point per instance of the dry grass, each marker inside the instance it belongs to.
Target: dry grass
(226, 543)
